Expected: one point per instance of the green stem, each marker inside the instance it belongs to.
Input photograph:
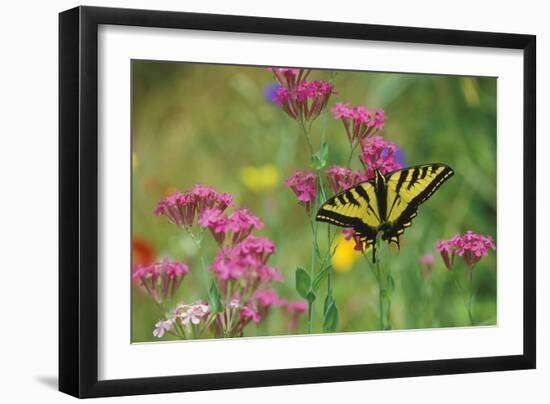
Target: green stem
(380, 292)
(384, 294)
(470, 298)
(467, 303)
(178, 328)
(352, 150)
(309, 317)
(306, 135)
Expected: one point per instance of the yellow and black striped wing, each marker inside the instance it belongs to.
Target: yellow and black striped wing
(406, 190)
(356, 208)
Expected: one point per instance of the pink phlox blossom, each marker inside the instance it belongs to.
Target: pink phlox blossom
(304, 100)
(235, 227)
(266, 298)
(183, 208)
(293, 310)
(258, 247)
(426, 265)
(378, 154)
(304, 185)
(341, 178)
(471, 247)
(246, 260)
(359, 122)
(351, 235)
(289, 78)
(427, 259)
(160, 279)
(297, 306)
(248, 313)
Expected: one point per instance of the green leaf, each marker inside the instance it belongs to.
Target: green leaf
(310, 297)
(319, 159)
(329, 300)
(319, 278)
(214, 302)
(330, 321)
(303, 282)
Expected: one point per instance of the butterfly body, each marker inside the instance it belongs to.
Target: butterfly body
(384, 205)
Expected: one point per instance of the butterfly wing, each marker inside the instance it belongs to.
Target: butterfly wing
(406, 190)
(356, 208)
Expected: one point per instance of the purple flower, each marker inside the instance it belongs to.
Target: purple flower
(270, 92)
(399, 156)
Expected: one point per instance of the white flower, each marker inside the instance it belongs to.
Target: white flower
(161, 327)
(235, 304)
(191, 313)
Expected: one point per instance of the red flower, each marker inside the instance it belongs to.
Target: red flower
(143, 253)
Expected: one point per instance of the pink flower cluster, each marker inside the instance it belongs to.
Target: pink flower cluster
(161, 279)
(306, 101)
(289, 78)
(377, 154)
(471, 246)
(360, 123)
(340, 178)
(302, 100)
(241, 269)
(235, 227)
(247, 263)
(183, 208)
(267, 298)
(304, 185)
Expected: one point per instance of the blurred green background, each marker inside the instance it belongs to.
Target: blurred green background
(212, 124)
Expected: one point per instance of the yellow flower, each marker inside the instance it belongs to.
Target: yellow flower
(263, 178)
(345, 254)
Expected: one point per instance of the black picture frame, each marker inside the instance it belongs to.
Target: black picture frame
(78, 201)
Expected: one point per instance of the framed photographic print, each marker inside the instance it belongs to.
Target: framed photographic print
(251, 201)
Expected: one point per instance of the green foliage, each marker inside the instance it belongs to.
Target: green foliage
(319, 159)
(303, 283)
(214, 303)
(330, 321)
